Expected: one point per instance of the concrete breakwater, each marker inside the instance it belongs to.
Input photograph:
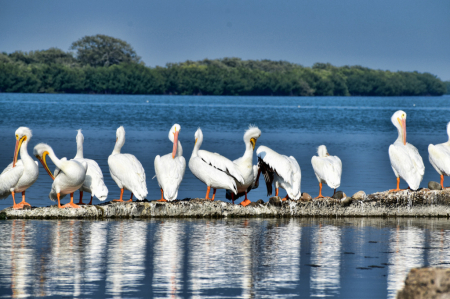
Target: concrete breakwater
(422, 203)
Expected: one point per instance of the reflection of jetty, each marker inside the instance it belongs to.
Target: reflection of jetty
(383, 204)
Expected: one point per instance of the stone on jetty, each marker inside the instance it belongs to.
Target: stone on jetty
(306, 197)
(407, 203)
(434, 186)
(426, 283)
(360, 195)
(339, 195)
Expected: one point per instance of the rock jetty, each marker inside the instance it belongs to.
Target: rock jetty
(422, 203)
(425, 283)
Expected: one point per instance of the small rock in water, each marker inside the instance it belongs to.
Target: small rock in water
(306, 197)
(339, 195)
(275, 201)
(360, 195)
(434, 186)
(260, 201)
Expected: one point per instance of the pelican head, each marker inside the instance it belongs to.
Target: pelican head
(22, 134)
(80, 137)
(198, 135)
(399, 121)
(322, 151)
(448, 130)
(173, 136)
(251, 135)
(41, 151)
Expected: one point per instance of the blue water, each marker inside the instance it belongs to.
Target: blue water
(357, 129)
(221, 258)
(255, 258)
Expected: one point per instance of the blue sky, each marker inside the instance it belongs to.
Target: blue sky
(405, 35)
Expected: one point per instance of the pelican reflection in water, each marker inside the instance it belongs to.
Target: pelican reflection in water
(406, 245)
(326, 252)
(168, 253)
(125, 266)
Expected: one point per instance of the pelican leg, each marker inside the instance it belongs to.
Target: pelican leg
(23, 203)
(162, 196)
(90, 203)
(276, 191)
(80, 202)
(320, 192)
(232, 197)
(131, 198)
(442, 181)
(121, 196)
(214, 194)
(71, 204)
(334, 192)
(207, 192)
(398, 186)
(15, 206)
(246, 201)
(59, 200)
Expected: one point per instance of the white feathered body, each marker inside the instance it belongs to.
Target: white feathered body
(407, 163)
(93, 183)
(245, 168)
(68, 180)
(128, 173)
(169, 173)
(287, 171)
(214, 170)
(19, 178)
(328, 170)
(439, 156)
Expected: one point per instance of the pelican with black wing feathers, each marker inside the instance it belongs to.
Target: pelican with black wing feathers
(439, 156)
(170, 168)
(245, 166)
(213, 169)
(280, 170)
(405, 158)
(93, 183)
(19, 175)
(69, 174)
(328, 169)
(126, 170)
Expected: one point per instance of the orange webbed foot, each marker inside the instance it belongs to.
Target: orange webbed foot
(22, 204)
(17, 206)
(117, 200)
(245, 202)
(162, 200)
(71, 205)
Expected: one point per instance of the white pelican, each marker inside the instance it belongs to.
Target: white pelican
(170, 168)
(439, 156)
(69, 174)
(405, 158)
(328, 169)
(20, 174)
(213, 169)
(280, 170)
(245, 165)
(126, 170)
(93, 183)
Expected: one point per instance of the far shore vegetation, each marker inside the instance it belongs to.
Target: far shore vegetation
(103, 64)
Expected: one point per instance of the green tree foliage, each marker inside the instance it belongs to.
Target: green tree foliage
(54, 70)
(102, 50)
(447, 83)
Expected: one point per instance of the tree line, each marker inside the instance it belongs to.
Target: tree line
(103, 64)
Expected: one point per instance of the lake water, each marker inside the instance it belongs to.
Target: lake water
(357, 129)
(220, 258)
(255, 258)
